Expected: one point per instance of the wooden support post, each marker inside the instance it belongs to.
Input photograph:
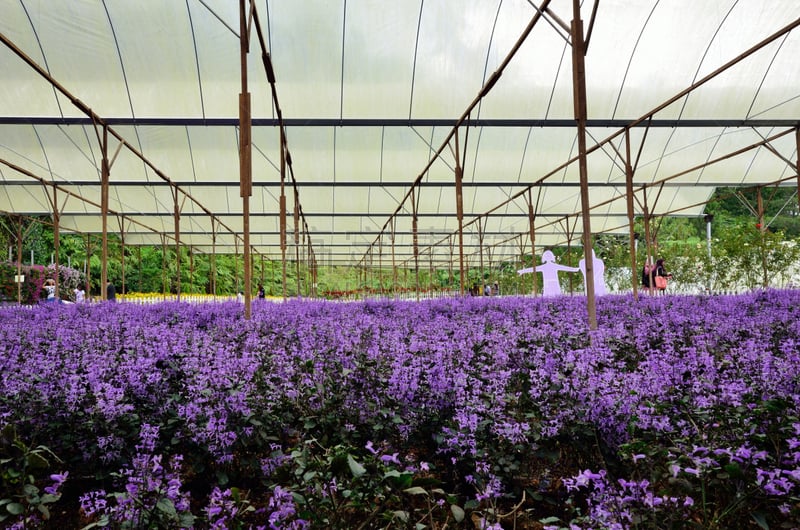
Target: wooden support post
(176, 214)
(89, 268)
(579, 93)
(245, 154)
(532, 229)
(56, 236)
(450, 265)
(104, 177)
(480, 256)
(191, 271)
(236, 265)
(380, 265)
(164, 287)
(762, 229)
(797, 164)
(394, 264)
(213, 256)
(415, 236)
(629, 203)
(283, 209)
(430, 271)
(19, 259)
(460, 214)
(297, 241)
(648, 257)
(122, 252)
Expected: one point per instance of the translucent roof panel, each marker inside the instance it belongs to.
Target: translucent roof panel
(693, 94)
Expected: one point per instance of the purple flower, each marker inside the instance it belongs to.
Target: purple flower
(393, 459)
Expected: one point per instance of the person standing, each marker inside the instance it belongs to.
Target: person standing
(80, 295)
(50, 289)
(660, 276)
(647, 277)
(261, 293)
(111, 292)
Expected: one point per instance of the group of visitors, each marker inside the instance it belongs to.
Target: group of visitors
(78, 293)
(488, 290)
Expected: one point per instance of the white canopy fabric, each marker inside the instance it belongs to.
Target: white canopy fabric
(369, 91)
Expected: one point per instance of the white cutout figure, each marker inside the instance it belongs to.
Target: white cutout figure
(598, 271)
(549, 269)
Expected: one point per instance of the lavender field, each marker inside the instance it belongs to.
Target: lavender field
(502, 412)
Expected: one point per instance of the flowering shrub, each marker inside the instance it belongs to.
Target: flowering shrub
(31, 290)
(480, 412)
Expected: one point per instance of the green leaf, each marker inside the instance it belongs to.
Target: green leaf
(400, 514)
(15, 508)
(458, 512)
(30, 489)
(549, 520)
(298, 499)
(165, 505)
(48, 498)
(37, 461)
(355, 468)
(760, 520)
(416, 490)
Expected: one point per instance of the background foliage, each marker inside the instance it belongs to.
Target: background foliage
(744, 252)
